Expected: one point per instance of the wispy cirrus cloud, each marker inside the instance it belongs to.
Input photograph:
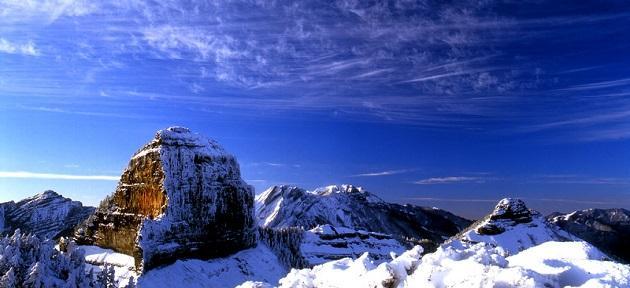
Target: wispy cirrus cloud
(273, 164)
(27, 48)
(579, 179)
(383, 173)
(54, 176)
(43, 10)
(430, 63)
(451, 180)
(599, 85)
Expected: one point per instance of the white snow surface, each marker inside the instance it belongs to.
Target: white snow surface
(325, 243)
(257, 264)
(531, 254)
(97, 257)
(521, 236)
(551, 264)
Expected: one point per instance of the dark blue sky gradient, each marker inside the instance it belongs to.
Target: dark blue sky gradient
(454, 104)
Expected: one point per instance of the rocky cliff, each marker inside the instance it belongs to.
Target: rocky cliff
(606, 229)
(353, 207)
(48, 215)
(180, 196)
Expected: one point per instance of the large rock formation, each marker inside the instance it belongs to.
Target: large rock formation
(181, 196)
(606, 229)
(48, 215)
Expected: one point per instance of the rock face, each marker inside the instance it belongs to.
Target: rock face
(512, 226)
(48, 215)
(508, 212)
(181, 196)
(606, 229)
(352, 207)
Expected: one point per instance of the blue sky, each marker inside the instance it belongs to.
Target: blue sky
(452, 104)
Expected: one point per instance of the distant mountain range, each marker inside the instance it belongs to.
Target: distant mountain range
(608, 229)
(348, 206)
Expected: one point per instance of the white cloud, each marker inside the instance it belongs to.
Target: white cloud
(53, 176)
(9, 47)
(43, 10)
(382, 173)
(449, 179)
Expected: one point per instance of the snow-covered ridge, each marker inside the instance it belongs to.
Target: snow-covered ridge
(551, 264)
(606, 229)
(353, 207)
(513, 227)
(326, 243)
(525, 252)
(47, 214)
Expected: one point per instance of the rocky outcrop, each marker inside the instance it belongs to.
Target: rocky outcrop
(353, 207)
(606, 229)
(48, 215)
(511, 226)
(181, 196)
(508, 212)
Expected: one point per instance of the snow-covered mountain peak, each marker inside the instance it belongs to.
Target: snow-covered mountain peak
(513, 227)
(343, 188)
(183, 137)
(508, 212)
(353, 207)
(47, 194)
(512, 209)
(47, 214)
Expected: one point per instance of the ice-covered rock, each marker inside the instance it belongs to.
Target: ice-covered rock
(353, 207)
(606, 229)
(181, 196)
(513, 227)
(48, 215)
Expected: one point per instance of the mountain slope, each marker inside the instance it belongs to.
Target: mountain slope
(608, 230)
(326, 243)
(352, 207)
(254, 264)
(513, 227)
(48, 215)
